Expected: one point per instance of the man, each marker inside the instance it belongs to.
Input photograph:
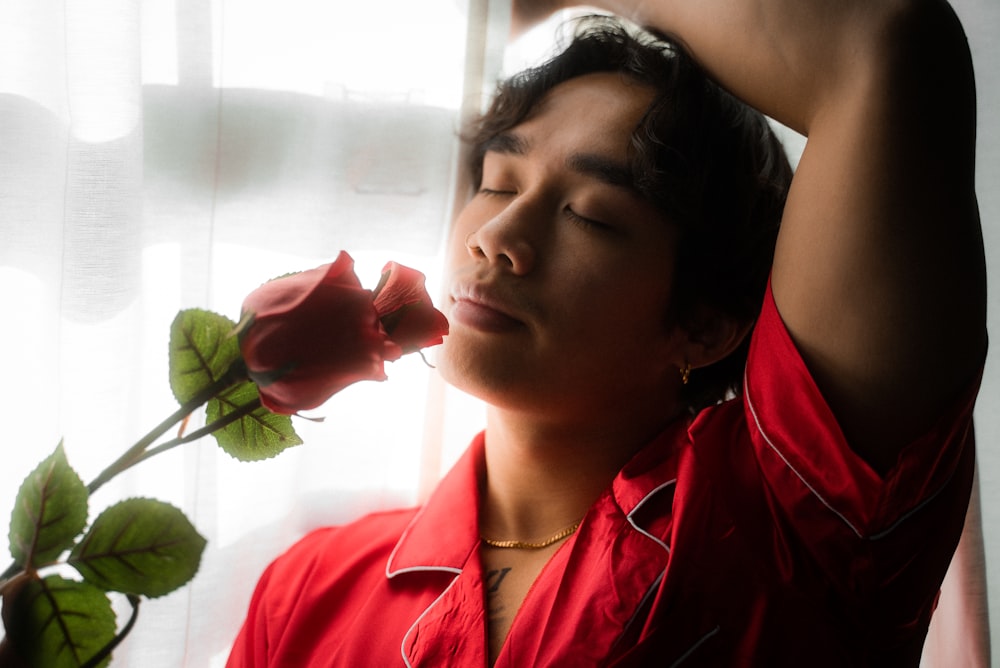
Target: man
(611, 515)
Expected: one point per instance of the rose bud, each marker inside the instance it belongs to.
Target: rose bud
(406, 311)
(309, 335)
(312, 334)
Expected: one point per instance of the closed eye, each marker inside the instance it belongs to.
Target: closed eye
(490, 192)
(568, 211)
(584, 221)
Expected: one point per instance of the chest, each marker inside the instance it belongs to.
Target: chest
(508, 575)
(610, 595)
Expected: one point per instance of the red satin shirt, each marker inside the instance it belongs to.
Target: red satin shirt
(749, 535)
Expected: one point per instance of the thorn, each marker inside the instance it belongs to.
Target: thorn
(184, 424)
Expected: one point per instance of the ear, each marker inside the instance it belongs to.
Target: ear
(709, 337)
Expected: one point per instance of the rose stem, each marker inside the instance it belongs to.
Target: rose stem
(235, 373)
(227, 419)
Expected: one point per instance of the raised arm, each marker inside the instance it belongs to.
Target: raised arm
(879, 271)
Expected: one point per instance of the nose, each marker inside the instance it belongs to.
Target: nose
(510, 238)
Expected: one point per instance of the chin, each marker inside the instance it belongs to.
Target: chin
(475, 370)
(456, 363)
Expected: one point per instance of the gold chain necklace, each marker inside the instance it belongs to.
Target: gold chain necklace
(524, 545)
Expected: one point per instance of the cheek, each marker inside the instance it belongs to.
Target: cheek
(625, 310)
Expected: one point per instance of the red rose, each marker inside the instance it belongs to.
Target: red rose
(310, 335)
(406, 311)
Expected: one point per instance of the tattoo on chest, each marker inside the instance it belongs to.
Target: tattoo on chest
(494, 578)
(495, 607)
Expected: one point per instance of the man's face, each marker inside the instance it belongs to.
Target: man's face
(560, 271)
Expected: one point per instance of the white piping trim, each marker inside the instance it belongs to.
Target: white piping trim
(913, 511)
(402, 645)
(388, 564)
(687, 654)
(877, 536)
(656, 583)
(425, 569)
(639, 505)
(753, 412)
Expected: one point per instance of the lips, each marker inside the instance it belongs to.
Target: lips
(481, 307)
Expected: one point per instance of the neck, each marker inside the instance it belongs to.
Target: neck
(542, 477)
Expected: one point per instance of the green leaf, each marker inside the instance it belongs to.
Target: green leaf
(259, 435)
(202, 347)
(59, 623)
(139, 546)
(50, 511)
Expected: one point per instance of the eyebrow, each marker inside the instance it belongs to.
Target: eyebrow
(605, 170)
(507, 143)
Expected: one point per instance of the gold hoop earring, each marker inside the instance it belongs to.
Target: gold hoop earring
(685, 373)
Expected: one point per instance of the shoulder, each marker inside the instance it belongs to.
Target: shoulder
(336, 550)
(312, 591)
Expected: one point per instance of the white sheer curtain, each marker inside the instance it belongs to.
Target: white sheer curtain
(166, 154)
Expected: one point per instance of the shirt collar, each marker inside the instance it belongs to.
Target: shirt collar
(445, 533)
(652, 469)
